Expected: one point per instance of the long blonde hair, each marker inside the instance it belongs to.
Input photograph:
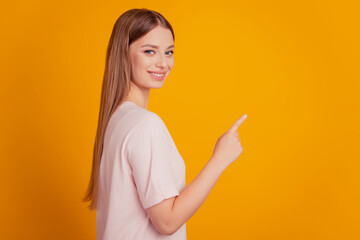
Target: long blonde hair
(130, 26)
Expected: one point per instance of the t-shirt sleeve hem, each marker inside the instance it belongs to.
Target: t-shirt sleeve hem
(159, 198)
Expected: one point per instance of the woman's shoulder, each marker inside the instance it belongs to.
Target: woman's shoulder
(139, 115)
(148, 119)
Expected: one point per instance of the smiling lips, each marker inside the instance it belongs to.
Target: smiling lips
(157, 75)
(156, 72)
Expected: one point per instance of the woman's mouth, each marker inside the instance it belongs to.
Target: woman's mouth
(158, 76)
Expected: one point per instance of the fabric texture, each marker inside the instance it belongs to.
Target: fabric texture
(140, 167)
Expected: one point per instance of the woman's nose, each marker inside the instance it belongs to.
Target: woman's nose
(161, 61)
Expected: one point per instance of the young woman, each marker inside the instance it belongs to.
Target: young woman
(137, 183)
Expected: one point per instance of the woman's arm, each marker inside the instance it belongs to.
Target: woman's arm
(171, 214)
(194, 194)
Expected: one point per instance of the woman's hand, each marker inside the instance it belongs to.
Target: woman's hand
(228, 147)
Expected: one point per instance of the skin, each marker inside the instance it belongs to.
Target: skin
(144, 59)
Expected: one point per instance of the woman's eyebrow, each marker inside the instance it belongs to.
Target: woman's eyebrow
(154, 46)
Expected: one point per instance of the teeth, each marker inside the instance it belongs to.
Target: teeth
(157, 75)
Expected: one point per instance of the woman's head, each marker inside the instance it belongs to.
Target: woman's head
(127, 65)
(151, 59)
(133, 29)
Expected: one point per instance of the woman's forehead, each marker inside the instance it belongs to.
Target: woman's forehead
(158, 37)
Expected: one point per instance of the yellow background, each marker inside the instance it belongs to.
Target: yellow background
(291, 66)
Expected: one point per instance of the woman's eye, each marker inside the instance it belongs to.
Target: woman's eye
(147, 51)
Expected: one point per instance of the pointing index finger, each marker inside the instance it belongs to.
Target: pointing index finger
(238, 122)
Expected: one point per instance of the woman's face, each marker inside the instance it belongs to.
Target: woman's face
(152, 53)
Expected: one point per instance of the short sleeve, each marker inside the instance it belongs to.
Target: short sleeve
(149, 155)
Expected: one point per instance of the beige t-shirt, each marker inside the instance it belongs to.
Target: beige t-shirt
(140, 167)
